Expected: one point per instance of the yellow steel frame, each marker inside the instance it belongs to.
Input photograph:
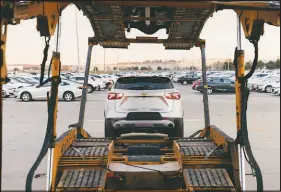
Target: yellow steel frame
(52, 11)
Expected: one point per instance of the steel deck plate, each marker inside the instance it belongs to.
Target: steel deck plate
(83, 178)
(86, 152)
(207, 178)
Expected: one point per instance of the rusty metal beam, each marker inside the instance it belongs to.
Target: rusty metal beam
(145, 18)
(176, 4)
(144, 40)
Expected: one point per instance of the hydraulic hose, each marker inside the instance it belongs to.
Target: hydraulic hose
(243, 120)
(48, 135)
(45, 52)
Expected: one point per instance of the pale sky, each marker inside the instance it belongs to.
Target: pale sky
(25, 46)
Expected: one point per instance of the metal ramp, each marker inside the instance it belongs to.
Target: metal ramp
(82, 179)
(207, 180)
(86, 152)
(202, 151)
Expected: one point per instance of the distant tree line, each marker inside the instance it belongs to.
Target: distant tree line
(230, 66)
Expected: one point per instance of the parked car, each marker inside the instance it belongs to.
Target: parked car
(66, 91)
(101, 81)
(218, 84)
(150, 104)
(196, 83)
(253, 81)
(92, 83)
(188, 79)
(6, 92)
(266, 86)
(275, 88)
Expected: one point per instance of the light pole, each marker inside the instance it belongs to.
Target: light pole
(104, 59)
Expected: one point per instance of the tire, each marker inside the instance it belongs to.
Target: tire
(90, 88)
(98, 88)
(4, 95)
(268, 89)
(179, 129)
(68, 96)
(26, 96)
(108, 130)
(184, 82)
(210, 91)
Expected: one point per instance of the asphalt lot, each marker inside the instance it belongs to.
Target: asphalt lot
(25, 124)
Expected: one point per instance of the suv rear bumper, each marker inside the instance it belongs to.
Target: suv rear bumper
(143, 124)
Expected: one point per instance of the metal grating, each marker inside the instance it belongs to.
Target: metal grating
(192, 139)
(86, 152)
(202, 151)
(207, 178)
(91, 142)
(83, 178)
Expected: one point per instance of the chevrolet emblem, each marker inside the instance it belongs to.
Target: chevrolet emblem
(143, 94)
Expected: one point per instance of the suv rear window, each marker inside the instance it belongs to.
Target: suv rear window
(143, 83)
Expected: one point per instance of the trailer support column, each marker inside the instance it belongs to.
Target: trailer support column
(201, 44)
(84, 91)
(55, 66)
(240, 69)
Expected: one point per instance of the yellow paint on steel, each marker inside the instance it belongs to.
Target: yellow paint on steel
(55, 73)
(60, 148)
(240, 73)
(49, 9)
(247, 19)
(3, 70)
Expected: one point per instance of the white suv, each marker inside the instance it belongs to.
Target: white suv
(143, 104)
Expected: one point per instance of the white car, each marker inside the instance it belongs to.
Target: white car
(149, 104)
(6, 92)
(92, 83)
(266, 86)
(101, 81)
(14, 84)
(66, 91)
(275, 89)
(253, 84)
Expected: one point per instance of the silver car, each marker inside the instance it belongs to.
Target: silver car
(143, 104)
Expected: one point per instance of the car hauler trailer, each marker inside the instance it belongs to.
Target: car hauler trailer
(208, 160)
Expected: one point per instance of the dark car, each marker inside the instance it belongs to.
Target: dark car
(188, 79)
(218, 84)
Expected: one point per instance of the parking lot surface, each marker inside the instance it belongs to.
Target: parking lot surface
(24, 126)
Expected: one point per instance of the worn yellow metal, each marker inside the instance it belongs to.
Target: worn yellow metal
(55, 66)
(60, 147)
(240, 73)
(38, 8)
(3, 69)
(247, 19)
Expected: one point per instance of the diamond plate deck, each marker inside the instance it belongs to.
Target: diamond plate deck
(82, 178)
(200, 148)
(86, 152)
(207, 179)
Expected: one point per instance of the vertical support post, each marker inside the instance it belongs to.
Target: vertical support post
(55, 66)
(201, 44)
(84, 91)
(240, 73)
(3, 77)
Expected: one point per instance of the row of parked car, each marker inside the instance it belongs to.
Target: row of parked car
(26, 86)
(268, 82)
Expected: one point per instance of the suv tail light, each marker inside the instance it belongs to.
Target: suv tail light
(175, 95)
(114, 96)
